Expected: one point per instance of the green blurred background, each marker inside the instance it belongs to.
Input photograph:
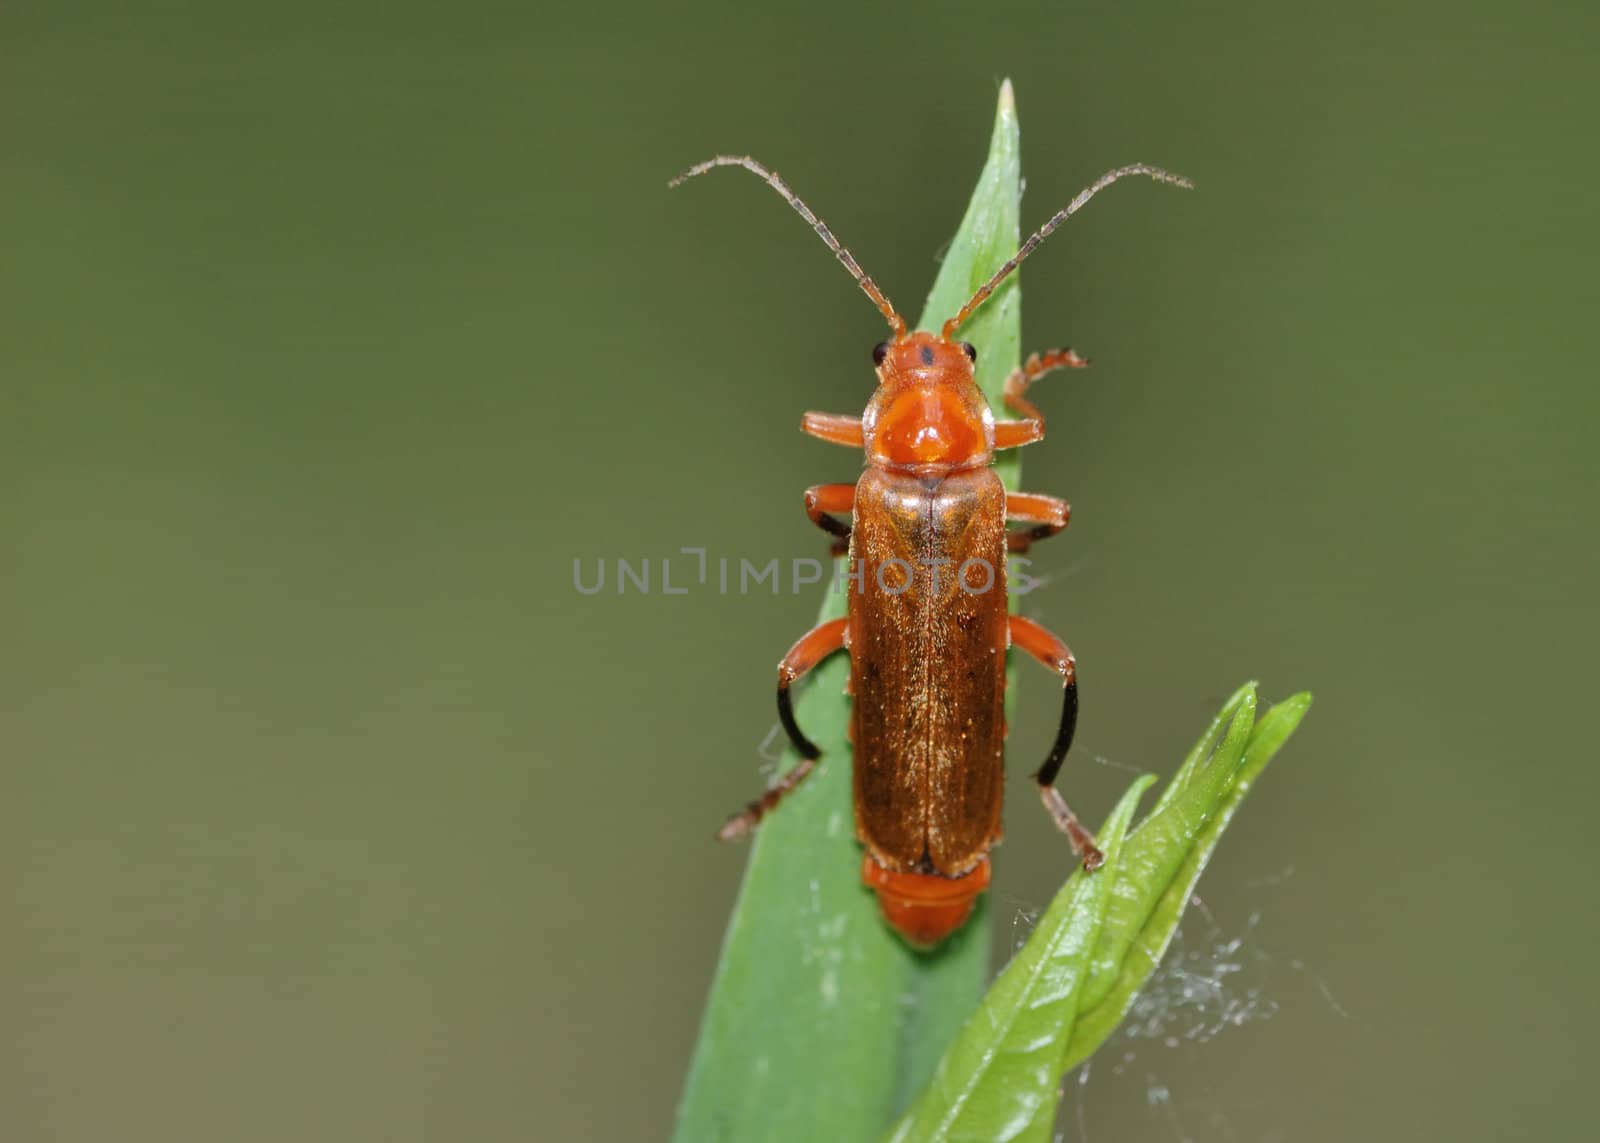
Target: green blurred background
(334, 332)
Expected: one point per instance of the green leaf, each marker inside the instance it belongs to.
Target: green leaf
(821, 1023)
(1166, 836)
(1115, 981)
(1076, 977)
(1003, 1068)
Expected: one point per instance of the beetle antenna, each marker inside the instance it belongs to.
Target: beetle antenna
(1043, 232)
(896, 322)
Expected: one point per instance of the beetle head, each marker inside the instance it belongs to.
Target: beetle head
(928, 415)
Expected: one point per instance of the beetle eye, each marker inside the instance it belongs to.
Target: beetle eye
(970, 350)
(879, 352)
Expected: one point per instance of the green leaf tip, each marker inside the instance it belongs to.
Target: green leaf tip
(1076, 977)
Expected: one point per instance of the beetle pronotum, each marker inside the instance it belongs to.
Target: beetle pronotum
(927, 651)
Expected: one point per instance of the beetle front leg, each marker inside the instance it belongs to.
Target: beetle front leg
(835, 428)
(813, 647)
(1056, 655)
(822, 499)
(1048, 514)
(1010, 434)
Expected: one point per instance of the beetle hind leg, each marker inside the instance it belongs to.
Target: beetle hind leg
(1053, 653)
(814, 646)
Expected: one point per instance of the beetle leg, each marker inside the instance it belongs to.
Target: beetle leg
(821, 499)
(814, 646)
(1010, 434)
(835, 428)
(1048, 514)
(1015, 434)
(1056, 655)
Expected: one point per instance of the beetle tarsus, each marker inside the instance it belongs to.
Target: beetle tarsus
(743, 823)
(1083, 843)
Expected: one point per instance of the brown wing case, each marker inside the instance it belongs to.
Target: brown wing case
(927, 657)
